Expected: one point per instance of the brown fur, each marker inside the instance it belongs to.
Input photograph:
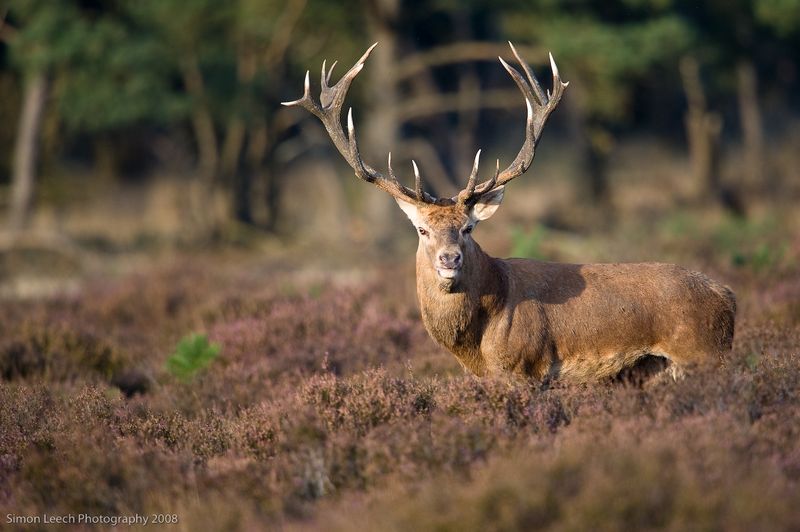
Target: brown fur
(576, 321)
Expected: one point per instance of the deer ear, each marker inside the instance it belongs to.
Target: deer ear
(487, 204)
(410, 209)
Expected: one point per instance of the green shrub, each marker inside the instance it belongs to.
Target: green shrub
(194, 352)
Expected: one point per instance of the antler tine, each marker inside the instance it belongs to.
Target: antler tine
(468, 192)
(493, 181)
(539, 105)
(525, 156)
(325, 78)
(330, 72)
(417, 182)
(391, 172)
(541, 98)
(306, 102)
(329, 110)
(558, 85)
(355, 157)
(333, 97)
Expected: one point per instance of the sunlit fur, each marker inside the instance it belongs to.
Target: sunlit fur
(579, 322)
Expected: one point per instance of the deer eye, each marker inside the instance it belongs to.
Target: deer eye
(422, 231)
(468, 229)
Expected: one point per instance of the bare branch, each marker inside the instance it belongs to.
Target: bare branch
(435, 173)
(436, 103)
(285, 24)
(457, 53)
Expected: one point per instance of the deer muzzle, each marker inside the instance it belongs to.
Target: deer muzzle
(448, 264)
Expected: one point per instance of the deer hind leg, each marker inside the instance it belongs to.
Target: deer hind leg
(684, 359)
(680, 363)
(675, 371)
(644, 369)
(672, 372)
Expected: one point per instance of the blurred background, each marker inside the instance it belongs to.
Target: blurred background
(141, 127)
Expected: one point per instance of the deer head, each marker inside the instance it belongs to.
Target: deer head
(444, 225)
(445, 233)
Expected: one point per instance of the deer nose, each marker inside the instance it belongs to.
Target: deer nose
(450, 259)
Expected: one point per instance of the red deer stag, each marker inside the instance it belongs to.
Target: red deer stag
(540, 319)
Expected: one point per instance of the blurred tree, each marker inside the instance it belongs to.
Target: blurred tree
(34, 57)
(103, 74)
(606, 48)
(732, 32)
(233, 59)
(123, 63)
(703, 130)
(382, 126)
(783, 16)
(741, 41)
(26, 149)
(191, 37)
(117, 79)
(271, 36)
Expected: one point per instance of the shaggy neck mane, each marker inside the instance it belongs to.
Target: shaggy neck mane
(455, 315)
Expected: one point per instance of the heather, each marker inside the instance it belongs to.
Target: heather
(327, 405)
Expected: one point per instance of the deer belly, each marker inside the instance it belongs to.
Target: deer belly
(600, 346)
(599, 365)
(573, 343)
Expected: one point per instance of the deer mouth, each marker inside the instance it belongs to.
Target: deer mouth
(448, 273)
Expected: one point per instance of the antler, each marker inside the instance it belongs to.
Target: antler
(539, 105)
(329, 112)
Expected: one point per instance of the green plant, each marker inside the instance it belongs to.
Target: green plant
(193, 353)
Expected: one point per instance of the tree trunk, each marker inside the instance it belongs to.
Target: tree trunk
(209, 204)
(597, 149)
(703, 129)
(239, 179)
(232, 147)
(382, 128)
(263, 208)
(469, 92)
(105, 161)
(428, 153)
(233, 175)
(26, 150)
(593, 143)
(752, 128)
(202, 121)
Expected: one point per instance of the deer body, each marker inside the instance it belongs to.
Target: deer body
(575, 321)
(526, 317)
